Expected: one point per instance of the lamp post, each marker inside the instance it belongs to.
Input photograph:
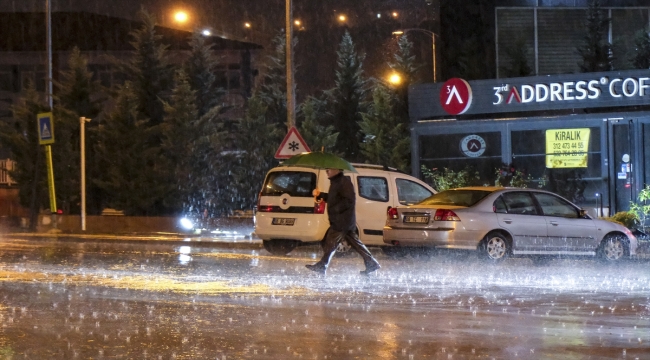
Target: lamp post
(82, 141)
(433, 46)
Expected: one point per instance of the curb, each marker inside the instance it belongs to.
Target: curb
(246, 242)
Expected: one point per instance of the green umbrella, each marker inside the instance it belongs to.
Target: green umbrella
(319, 160)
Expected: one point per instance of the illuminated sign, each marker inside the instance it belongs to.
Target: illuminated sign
(567, 148)
(456, 96)
(535, 93)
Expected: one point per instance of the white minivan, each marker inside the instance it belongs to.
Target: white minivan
(287, 216)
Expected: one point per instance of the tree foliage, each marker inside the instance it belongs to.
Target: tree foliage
(385, 140)
(596, 51)
(272, 91)
(348, 99)
(641, 58)
(21, 136)
(319, 136)
(77, 95)
(256, 142)
(136, 178)
(200, 69)
(404, 64)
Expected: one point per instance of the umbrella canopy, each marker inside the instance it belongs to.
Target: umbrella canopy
(319, 160)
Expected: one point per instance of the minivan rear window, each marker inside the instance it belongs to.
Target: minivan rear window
(456, 197)
(294, 183)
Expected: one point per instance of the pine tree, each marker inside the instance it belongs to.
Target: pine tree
(273, 88)
(256, 142)
(200, 68)
(406, 66)
(348, 99)
(596, 51)
(179, 134)
(385, 141)
(641, 59)
(129, 141)
(317, 135)
(149, 71)
(77, 94)
(134, 169)
(21, 137)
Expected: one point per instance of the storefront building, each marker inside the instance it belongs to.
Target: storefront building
(584, 136)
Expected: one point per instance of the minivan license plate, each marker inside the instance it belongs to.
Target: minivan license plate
(416, 219)
(283, 221)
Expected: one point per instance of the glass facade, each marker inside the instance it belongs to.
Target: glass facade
(613, 155)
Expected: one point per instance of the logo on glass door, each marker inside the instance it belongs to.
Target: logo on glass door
(472, 145)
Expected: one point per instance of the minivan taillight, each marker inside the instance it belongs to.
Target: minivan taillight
(392, 213)
(445, 215)
(319, 207)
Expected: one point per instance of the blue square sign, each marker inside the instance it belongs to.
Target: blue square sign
(45, 128)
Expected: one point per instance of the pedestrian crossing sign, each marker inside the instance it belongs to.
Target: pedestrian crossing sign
(45, 128)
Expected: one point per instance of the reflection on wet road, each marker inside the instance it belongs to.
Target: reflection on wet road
(129, 301)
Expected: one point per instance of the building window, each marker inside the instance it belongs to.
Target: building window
(474, 152)
(578, 184)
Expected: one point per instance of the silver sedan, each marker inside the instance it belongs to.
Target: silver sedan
(500, 222)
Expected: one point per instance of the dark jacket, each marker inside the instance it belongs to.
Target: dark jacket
(340, 203)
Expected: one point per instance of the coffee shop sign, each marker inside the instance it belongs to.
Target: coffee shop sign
(572, 90)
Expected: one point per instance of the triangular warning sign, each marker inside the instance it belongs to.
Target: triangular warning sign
(292, 144)
(45, 132)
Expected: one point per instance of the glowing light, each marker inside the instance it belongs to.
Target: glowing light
(395, 14)
(378, 16)
(395, 79)
(206, 32)
(181, 16)
(187, 224)
(247, 25)
(398, 32)
(342, 18)
(297, 22)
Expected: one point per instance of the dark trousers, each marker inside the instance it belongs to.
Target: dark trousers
(332, 240)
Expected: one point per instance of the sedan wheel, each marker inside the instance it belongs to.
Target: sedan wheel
(612, 249)
(495, 247)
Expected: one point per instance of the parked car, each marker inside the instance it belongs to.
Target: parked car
(287, 215)
(500, 222)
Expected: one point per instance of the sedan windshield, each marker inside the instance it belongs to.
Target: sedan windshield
(456, 197)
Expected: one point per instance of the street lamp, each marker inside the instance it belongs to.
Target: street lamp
(433, 45)
(395, 79)
(181, 16)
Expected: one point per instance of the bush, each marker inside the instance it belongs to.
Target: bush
(449, 179)
(625, 218)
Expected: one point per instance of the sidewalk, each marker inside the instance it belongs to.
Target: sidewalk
(222, 239)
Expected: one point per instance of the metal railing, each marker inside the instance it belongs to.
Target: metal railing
(5, 167)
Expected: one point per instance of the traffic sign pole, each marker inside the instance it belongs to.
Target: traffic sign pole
(50, 179)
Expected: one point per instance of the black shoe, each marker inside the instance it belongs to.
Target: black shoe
(370, 268)
(316, 268)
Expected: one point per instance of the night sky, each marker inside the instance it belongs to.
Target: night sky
(318, 37)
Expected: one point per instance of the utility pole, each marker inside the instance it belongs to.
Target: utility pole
(291, 101)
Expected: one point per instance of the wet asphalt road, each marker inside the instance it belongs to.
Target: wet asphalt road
(109, 300)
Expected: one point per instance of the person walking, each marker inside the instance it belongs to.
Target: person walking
(341, 201)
